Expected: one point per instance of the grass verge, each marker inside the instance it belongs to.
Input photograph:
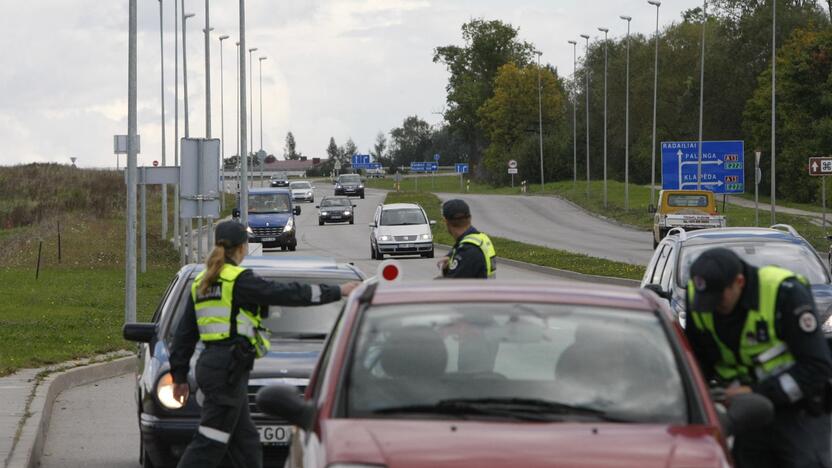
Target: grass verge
(520, 251)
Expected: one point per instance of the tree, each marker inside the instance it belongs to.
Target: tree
(380, 146)
(289, 149)
(347, 151)
(410, 142)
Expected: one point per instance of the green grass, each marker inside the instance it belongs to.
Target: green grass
(520, 251)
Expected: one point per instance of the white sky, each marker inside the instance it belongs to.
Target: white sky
(341, 68)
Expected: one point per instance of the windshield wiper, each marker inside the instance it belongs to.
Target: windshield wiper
(517, 408)
(301, 336)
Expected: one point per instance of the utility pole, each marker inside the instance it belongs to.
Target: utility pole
(701, 95)
(657, 4)
(243, 123)
(586, 71)
(132, 152)
(774, 108)
(177, 227)
(251, 102)
(222, 126)
(606, 43)
(262, 161)
(627, 123)
(540, 118)
(164, 150)
(574, 116)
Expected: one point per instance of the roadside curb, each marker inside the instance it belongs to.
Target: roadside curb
(572, 275)
(28, 449)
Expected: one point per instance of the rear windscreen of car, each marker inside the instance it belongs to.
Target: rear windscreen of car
(680, 201)
(335, 202)
(402, 217)
(568, 362)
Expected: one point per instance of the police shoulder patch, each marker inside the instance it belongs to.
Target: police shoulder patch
(807, 321)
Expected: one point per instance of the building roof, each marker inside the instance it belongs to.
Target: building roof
(292, 165)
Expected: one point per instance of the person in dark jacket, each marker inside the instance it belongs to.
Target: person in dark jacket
(224, 310)
(473, 254)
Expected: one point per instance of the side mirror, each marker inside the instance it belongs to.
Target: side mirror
(235, 213)
(656, 288)
(317, 206)
(296, 210)
(284, 401)
(748, 411)
(139, 332)
(355, 206)
(372, 225)
(651, 209)
(432, 223)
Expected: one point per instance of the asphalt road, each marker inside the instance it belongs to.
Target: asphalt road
(558, 224)
(95, 425)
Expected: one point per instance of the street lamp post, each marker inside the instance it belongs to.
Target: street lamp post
(586, 71)
(251, 100)
(627, 122)
(222, 126)
(540, 118)
(701, 95)
(237, 125)
(260, 60)
(164, 149)
(132, 152)
(773, 104)
(189, 225)
(606, 32)
(177, 228)
(243, 123)
(574, 117)
(657, 4)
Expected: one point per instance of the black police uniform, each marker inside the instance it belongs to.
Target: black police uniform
(800, 433)
(468, 261)
(222, 370)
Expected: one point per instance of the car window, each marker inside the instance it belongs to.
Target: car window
(350, 179)
(160, 309)
(402, 216)
(269, 203)
(660, 264)
(300, 185)
(651, 267)
(687, 200)
(668, 269)
(798, 258)
(317, 379)
(619, 364)
(335, 202)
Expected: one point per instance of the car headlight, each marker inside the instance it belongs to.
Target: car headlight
(361, 186)
(309, 193)
(346, 212)
(337, 185)
(426, 237)
(164, 392)
(384, 238)
(827, 326)
(290, 224)
(249, 231)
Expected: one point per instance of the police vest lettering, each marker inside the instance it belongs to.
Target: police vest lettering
(214, 312)
(761, 353)
(483, 242)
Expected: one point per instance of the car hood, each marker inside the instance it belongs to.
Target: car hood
(409, 230)
(288, 358)
(336, 208)
(463, 444)
(301, 190)
(268, 219)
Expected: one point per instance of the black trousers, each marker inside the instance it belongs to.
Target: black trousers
(794, 440)
(226, 426)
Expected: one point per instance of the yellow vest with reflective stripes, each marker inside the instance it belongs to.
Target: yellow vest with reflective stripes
(757, 360)
(483, 242)
(214, 310)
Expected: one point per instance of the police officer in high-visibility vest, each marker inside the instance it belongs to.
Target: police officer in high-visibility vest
(224, 311)
(756, 330)
(473, 254)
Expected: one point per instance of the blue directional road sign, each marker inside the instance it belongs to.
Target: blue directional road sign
(360, 159)
(424, 166)
(461, 168)
(722, 166)
(436, 157)
(367, 166)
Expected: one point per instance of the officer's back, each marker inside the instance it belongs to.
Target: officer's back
(473, 254)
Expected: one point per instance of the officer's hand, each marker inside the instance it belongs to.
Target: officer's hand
(347, 288)
(180, 392)
(443, 263)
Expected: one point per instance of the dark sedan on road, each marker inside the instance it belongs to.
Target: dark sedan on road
(668, 270)
(298, 336)
(279, 180)
(349, 185)
(336, 210)
(475, 374)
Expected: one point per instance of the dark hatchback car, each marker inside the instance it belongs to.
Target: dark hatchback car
(298, 335)
(781, 245)
(336, 210)
(349, 185)
(279, 180)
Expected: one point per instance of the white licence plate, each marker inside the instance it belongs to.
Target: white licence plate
(269, 239)
(336, 216)
(277, 435)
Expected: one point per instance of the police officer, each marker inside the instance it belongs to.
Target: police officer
(473, 254)
(756, 330)
(224, 311)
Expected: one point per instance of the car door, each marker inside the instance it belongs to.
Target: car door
(374, 228)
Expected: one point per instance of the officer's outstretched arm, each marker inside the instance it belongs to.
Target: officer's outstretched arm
(252, 289)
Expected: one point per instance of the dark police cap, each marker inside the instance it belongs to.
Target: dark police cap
(711, 274)
(230, 234)
(455, 209)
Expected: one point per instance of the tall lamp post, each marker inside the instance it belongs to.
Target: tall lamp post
(627, 122)
(773, 104)
(701, 95)
(606, 43)
(222, 125)
(251, 101)
(574, 116)
(240, 180)
(260, 60)
(189, 225)
(657, 4)
(586, 71)
(540, 118)
(177, 228)
(164, 149)
(243, 123)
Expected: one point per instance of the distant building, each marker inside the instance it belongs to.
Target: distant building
(296, 168)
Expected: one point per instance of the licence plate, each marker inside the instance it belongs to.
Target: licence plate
(269, 239)
(274, 435)
(336, 216)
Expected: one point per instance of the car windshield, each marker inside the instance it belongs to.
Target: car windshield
(687, 200)
(269, 203)
(335, 202)
(350, 179)
(795, 257)
(279, 177)
(523, 360)
(402, 217)
(300, 185)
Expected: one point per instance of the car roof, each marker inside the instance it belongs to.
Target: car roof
(399, 206)
(554, 292)
(305, 266)
(719, 235)
(268, 190)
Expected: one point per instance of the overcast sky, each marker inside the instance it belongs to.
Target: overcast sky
(341, 68)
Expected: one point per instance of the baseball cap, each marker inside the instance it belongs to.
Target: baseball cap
(230, 234)
(455, 209)
(711, 273)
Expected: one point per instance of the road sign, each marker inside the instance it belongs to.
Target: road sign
(820, 166)
(461, 168)
(337, 165)
(425, 166)
(360, 159)
(366, 166)
(199, 178)
(155, 163)
(436, 157)
(723, 165)
(120, 144)
(512, 170)
(512, 164)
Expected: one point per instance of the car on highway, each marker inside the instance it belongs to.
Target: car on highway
(302, 190)
(667, 273)
(298, 334)
(279, 180)
(401, 229)
(271, 218)
(472, 374)
(335, 210)
(349, 185)
(687, 209)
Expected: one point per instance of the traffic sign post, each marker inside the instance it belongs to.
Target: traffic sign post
(461, 169)
(821, 167)
(723, 165)
(757, 177)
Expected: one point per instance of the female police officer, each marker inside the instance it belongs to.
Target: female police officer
(224, 312)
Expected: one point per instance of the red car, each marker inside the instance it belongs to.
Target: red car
(482, 373)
